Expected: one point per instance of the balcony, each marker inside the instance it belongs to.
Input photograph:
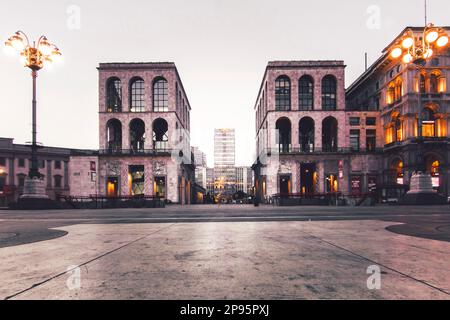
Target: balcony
(319, 151)
(135, 152)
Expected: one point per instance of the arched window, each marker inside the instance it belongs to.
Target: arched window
(398, 125)
(398, 89)
(137, 95)
(390, 94)
(160, 134)
(306, 134)
(436, 82)
(397, 171)
(329, 88)
(283, 93)
(432, 166)
(283, 135)
(329, 134)
(428, 123)
(306, 93)
(114, 135)
(422, 83)
(113, 95)
(137, 135)
(160, 95)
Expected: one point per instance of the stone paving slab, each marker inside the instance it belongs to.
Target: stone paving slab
(228, 260)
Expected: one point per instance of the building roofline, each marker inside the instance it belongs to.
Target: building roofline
(135, 65)
(297, 63)
(144, 65)
(383, 58)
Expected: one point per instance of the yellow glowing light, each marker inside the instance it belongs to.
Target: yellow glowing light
(407, 42)
(407, 58)
(17, 42)
(442, 41)
(23, 60)
(428, 54)
(9, 49)
(56, 56)
(45, 47)
(396, 52)
(432, 36)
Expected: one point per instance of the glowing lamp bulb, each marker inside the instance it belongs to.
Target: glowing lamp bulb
(17, 42)
(396, 52)
(442, 41)
(23, 60)
(407, 58)
(45, 47)
(432, 36)
(9, 49)
(428, 54)
(407, 42)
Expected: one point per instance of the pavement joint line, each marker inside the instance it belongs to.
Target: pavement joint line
(222, 217)
(374, 262)
(87, 262)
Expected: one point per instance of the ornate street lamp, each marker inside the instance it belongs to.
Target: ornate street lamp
(35, 56)
(416, 49)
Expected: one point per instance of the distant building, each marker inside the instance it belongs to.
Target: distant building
(244, 181)
(54, 165)
(224, 161)
(199, 157)
(200, 166)
(210, 180)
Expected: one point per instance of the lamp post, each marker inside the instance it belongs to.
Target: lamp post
(416, 49)
(33, 56)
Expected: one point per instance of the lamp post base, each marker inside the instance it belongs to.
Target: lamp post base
(34, 196)
(421, 191)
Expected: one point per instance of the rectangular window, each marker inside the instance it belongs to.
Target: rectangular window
(21, 179)
(371, 140)
(354, 140)
(355, 184)
(159, 187)
(136, 180)
(58, 180)
(2, 183)
(354, 121)
(41, 164)
(2, 161)
(57, 164)
(21, 163)
(371, 121)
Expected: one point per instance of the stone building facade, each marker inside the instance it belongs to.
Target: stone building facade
(144, 125)
(414, 108)
(307, 142)
(15, 163)
(314, 136)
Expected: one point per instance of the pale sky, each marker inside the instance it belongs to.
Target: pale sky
(221, 48)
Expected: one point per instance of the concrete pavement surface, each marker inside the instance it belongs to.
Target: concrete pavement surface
(226, 252)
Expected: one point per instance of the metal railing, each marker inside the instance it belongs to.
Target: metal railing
(134, 152)
(299, 150)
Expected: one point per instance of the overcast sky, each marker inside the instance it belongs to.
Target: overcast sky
(220, 47)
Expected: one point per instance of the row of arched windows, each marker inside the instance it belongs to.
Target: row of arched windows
(430, 125)
(160, 139)
(307, 134)
(305, 93)
(136, 89)
(433, 82)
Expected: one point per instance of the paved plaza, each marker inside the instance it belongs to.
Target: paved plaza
(226, 252)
